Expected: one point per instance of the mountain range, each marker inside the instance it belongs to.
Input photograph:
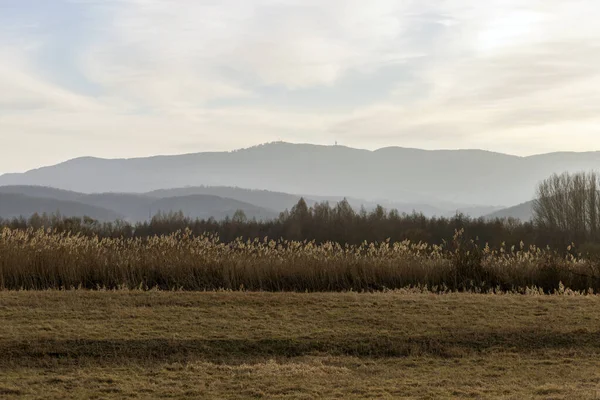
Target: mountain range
(439, 182)
(24, 201)
(523, 212)
(195, 202)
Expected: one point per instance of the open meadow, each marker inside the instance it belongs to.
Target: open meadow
(184, 316)
(402, 344)
(292, 199)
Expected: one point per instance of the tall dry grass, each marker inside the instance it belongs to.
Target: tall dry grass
(43, 259)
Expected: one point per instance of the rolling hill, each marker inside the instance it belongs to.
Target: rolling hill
(19, 205)
(398, 175)
(205, 206)
(41, 192)
(279, 201)
(523, 212)
(16, 201)
(276, 201)
(204, 202)
(135, 207)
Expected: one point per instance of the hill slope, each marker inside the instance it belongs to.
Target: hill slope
(396, 174)
(276, 201)
(206, 206)
(135, 207)
(44, 192)
(17, 205)
(18, 201)
(523, 211)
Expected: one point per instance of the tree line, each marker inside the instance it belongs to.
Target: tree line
(566, 210)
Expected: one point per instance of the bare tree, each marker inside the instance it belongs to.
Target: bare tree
(569, 203)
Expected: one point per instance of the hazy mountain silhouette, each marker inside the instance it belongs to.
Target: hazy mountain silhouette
(24, 201)
(278, 201)
(205, 206)
(200, 202)
(396, 174)
(41, 192)
(473, 211)
(275, 201)
(141, 207)
(523, 212)
(135, 207)
(18, 205)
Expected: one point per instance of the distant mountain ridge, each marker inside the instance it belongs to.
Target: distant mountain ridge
(272, 200)
(394, 174)
(17, 201)
(195, 202)
(18, 205)
(522, 212)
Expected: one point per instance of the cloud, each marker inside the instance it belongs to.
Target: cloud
(295, 44)
(139, 77)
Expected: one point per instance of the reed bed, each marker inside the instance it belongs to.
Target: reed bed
(45, 259)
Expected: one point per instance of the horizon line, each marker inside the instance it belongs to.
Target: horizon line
(299, 144)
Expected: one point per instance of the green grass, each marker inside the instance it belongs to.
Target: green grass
(129, 344)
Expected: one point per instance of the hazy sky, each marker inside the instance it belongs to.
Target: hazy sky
(122, 78)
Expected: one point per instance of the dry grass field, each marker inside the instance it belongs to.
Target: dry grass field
(44, 259)
(153, 344)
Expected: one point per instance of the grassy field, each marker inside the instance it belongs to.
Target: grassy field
(130, 344)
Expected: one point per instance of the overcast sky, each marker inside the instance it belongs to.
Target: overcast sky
(124, 78)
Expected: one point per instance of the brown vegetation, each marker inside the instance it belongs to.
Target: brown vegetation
(153, 344)
(49, 260)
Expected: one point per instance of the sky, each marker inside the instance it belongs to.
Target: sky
(130, 78)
